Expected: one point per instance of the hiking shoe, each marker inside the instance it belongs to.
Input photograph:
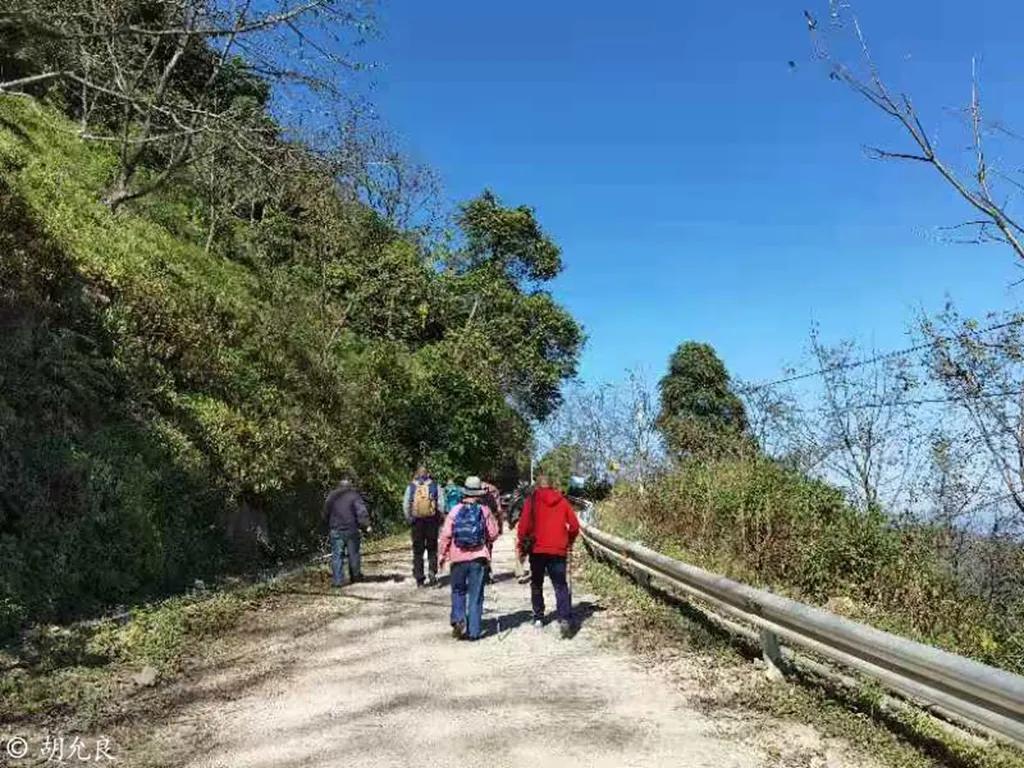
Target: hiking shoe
(538, 624)
(565, 629)
(459, 630)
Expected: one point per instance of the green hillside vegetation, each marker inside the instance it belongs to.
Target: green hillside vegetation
(159, 394)
(724, 505)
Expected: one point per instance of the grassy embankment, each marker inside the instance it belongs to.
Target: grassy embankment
(768, 526)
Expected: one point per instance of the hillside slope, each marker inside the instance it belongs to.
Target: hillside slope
(147, 389)
(173, 405)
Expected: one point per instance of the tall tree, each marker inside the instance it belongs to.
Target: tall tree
(699, 411)
(499, 311)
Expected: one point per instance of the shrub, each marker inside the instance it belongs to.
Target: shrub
(763, 523)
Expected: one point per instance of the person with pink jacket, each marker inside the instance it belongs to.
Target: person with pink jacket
(467, 535)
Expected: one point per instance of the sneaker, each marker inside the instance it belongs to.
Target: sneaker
(459, 630)
(538, 624)
(432, 581)
(420, 584)
(565, 629)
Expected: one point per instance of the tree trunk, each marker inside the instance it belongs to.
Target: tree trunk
(212, 231)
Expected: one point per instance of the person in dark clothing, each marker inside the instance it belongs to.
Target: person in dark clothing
(347, 518)
(517, 499)
(424, 511)
(547, 529)
(492, 500)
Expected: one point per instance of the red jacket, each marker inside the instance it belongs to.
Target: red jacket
(556, 525)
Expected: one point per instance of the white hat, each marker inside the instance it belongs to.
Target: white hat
(473, 487)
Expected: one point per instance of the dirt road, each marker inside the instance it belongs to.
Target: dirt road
(384, 684)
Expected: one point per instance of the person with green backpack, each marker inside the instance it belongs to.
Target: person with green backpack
(466, 538)
(424, 508)
(452, 495)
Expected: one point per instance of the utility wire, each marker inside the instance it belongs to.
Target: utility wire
(878, 358)
(933, 400)
(987, 504)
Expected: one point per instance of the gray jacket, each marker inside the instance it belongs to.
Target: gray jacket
(345, 510)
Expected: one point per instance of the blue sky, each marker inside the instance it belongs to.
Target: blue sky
(700, 187)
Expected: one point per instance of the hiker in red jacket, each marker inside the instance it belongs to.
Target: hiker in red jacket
(547, 529)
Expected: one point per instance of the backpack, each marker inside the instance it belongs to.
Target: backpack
(452, 497)
(424, 502)
(469, 530)
(529, 540)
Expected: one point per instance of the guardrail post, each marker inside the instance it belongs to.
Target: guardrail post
(772, 654)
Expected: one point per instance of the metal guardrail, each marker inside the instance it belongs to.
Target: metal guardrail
(976, 694)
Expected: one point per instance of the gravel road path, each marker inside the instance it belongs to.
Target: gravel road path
(384, 684)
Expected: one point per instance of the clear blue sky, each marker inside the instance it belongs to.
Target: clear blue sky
(699, 186)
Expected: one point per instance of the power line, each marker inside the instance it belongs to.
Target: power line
(934, 400)
(988, 504)
(878, 358)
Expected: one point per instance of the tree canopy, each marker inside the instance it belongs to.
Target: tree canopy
(698, 406)
(509, 325)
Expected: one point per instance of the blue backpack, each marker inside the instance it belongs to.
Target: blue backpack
(468, 529)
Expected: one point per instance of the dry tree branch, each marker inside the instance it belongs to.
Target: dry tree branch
(268, 21)
(875, 91)
(160, 82)
(21, 82)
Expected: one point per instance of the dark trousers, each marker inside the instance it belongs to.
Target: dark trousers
(345, 545)
(424, 539)
(468, 595)
(554, 566)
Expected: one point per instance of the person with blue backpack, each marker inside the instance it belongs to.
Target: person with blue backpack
(465, 542)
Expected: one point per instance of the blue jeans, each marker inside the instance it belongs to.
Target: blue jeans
(555, 568)
(468, 595)
(342, 543)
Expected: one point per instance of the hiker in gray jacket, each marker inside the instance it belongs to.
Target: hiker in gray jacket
(347, 518)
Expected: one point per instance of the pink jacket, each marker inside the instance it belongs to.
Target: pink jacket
(449, 551)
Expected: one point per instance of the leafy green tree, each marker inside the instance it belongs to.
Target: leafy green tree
(496, 304)
(700, 413)
(506, 241)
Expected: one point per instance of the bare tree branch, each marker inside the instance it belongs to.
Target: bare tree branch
(874, 90)
(21, 82)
